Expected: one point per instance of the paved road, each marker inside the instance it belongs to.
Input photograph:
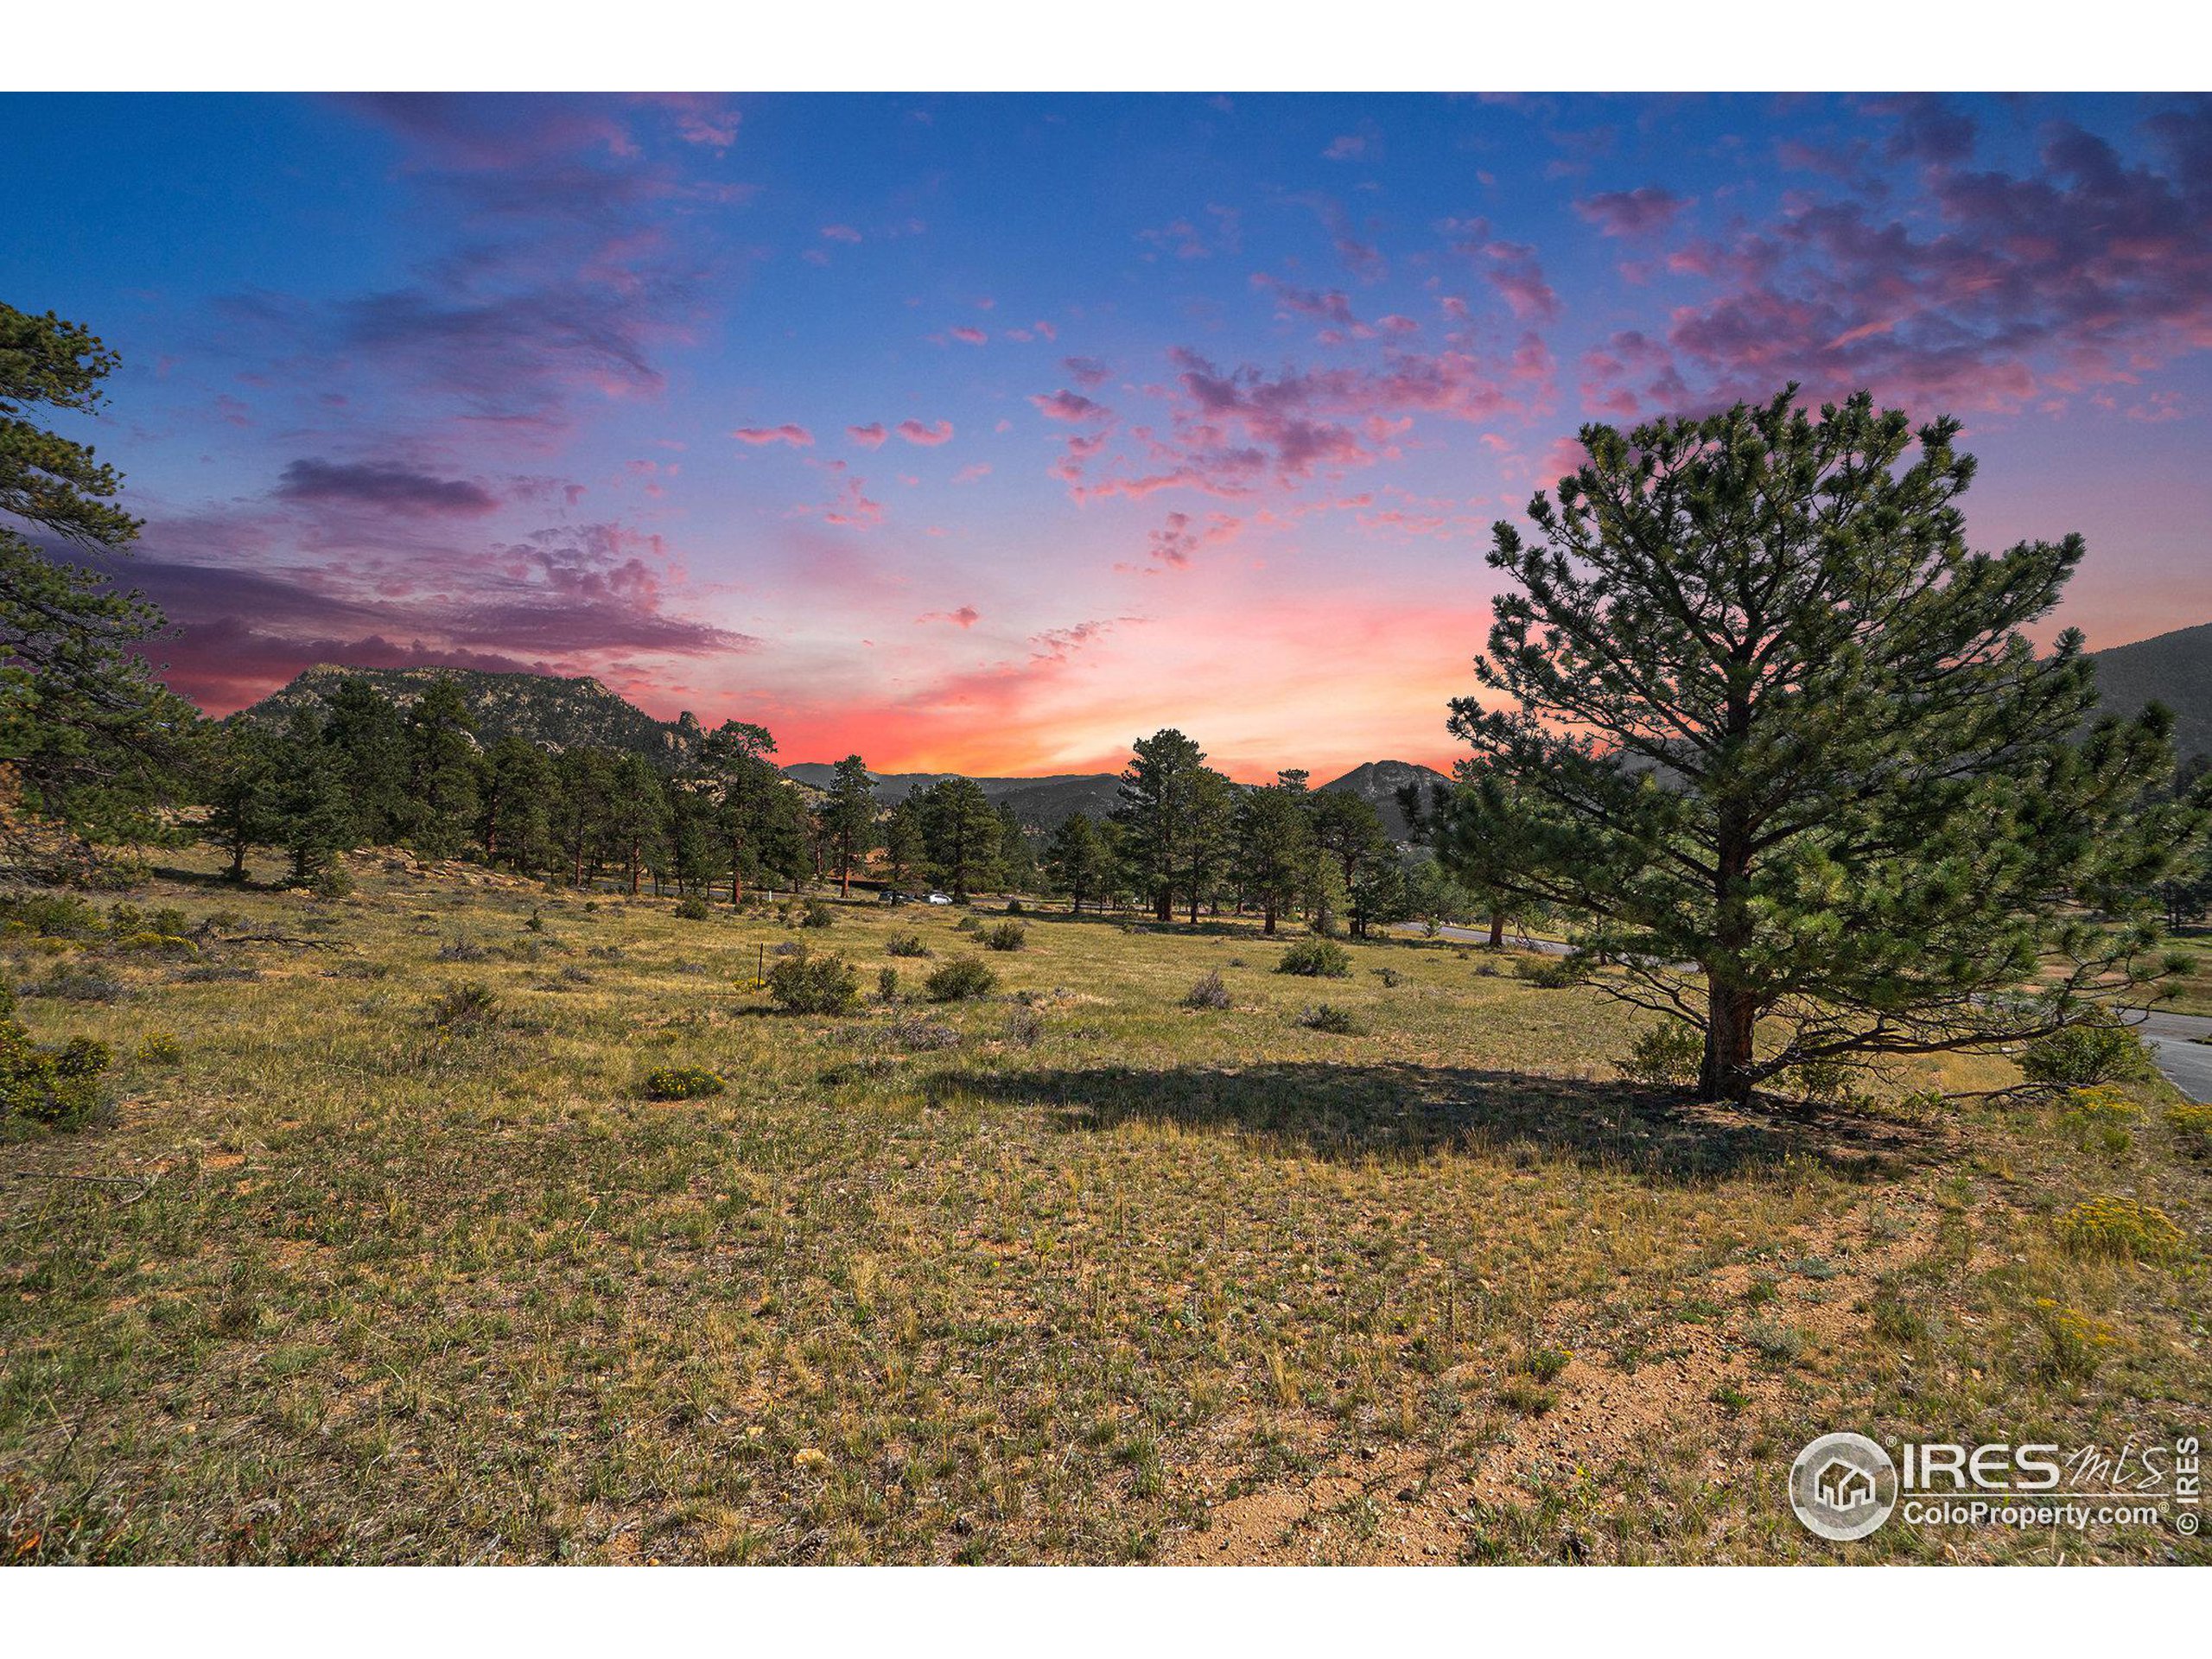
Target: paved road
(2186, 1061)
(1479, 936)
(2173, 1038)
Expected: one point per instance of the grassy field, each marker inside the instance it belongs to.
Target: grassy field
(1071, 1273)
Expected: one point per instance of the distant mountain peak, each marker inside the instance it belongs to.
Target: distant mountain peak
(558, 712)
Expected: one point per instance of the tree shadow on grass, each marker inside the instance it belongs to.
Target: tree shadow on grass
(1404, 1113)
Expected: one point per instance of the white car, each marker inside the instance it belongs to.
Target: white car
(940, 897)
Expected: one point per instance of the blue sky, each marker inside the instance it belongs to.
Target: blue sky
(990, 432)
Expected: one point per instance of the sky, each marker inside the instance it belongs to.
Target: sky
(989, 433)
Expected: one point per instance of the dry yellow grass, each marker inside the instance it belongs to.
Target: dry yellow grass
(1073, 1273)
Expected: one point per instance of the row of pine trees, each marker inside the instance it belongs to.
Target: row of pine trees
(356, 770)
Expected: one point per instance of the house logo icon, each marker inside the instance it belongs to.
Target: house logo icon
(1843, 1486)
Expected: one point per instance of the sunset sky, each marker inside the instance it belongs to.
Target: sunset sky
(990, 433)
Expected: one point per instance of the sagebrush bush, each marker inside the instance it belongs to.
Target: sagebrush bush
(466, 1007)
(819, 913)
(905, 944)
(1316, 959)
(1209, 992)
(1667, 1055)
(460, 948)
(692, 908)
(1024, 1025)
(959, 979)
(1006, 936)
(811, 982)
(886, 984)
(915, 1033)
(2095, 1049)
(160, 1048)
(208, 973)
(167, 944)
(76, 985)
(681, 1083)
(1328, 1017)
(2124, 1229)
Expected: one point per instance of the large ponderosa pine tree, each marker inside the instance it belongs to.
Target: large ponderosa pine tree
(88, 740)
(964, 834)
(1777, 734)
(848, 818)
(1078, 861)
(1155, 812)
(1274, 846)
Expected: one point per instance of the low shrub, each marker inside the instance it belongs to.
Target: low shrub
(681, 1083)
(51, 915)
(886, 984)
(467, 1006)
(960, 979)
(1328, 1017)
(2101, 1119)
(809, 981)
(1778, 1343)
(151, 943)
(57, 1086)
(1667, 1055)
(209, 973)
(819, 913)
(2192, 1126)
(460, 948)
(1006, 936)
(905, 944)
(1548, 973)
(1024, 1025)
(2120, 1230)
(915, 1032)
(76, 985)
(1209, 992)
(2074, 1341)
(331, 881)
(1316, 959)
(692, 908)
(1015, 907)
(1545, 1363)
(2097, 1048)
(160, 1048)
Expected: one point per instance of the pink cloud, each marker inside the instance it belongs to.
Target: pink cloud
(797, 436)
(1071, 407)
(969, 336)
(928, 436)
(870, 436)
(1639, 212)
(965, 617)
(840, 234)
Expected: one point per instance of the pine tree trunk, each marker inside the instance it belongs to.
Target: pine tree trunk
(1497, 930)
(1731, 1016)
(1269, 929)
(1163, 906)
